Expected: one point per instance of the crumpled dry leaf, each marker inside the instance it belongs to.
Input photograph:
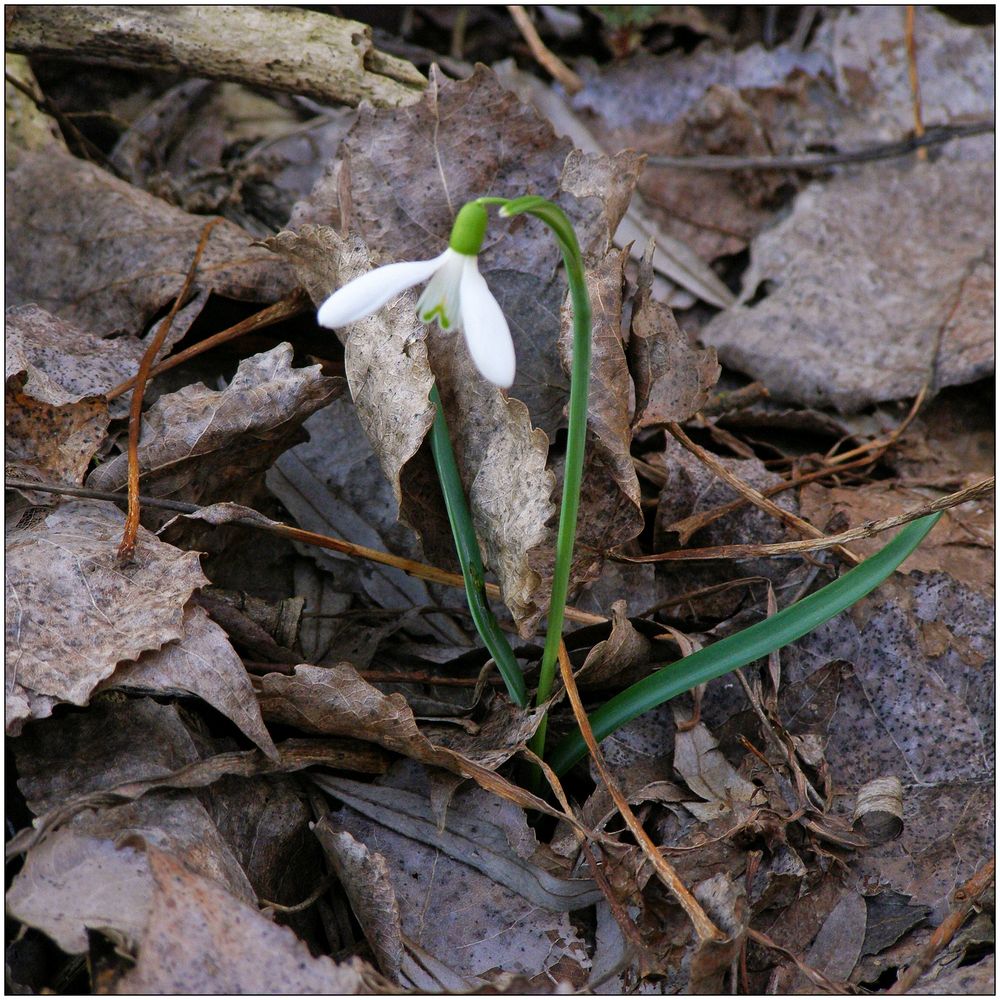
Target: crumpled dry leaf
(672, 378)
(54, 375)
(201, 663)
(501, 454)
(73, 613)
(200, 445)
(705, 770)
(614, 660)
(879, 282)
(63, 887)
(838, 944)
(60, 356)
(62, 209)
(336, 701)
(73, 882)
(367, 880)
(202, 939)
(407, 834)
(689, 488)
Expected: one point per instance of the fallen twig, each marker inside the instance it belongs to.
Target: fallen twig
(753, 495)
(867, 530)
(557, 69)
(127, 547)
(421, 570)
(933, 136)
(911, 65)
(291, 305)
(965, 899)
(703, 926)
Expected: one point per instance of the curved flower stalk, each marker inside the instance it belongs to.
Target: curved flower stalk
(456, 295)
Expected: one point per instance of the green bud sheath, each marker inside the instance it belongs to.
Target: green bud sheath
(469, 230)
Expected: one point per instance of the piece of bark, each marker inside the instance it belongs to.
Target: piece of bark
(312, 54)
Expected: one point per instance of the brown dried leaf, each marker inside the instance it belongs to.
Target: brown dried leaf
(613, 661)
(689, 488)
(367, 880)
(62, 209)
(201, 663)
(201, 939)
(483, 871)
(705, 770)
(877, 279)
(201, 446)
(336, 701)
(672, 378)
(73, 613)
(54, 374)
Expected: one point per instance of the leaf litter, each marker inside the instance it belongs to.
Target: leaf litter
(189, 781)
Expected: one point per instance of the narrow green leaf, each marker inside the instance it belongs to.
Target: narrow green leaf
(467, 548)
(751, 644)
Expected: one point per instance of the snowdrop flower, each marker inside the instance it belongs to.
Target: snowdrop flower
(456, 296)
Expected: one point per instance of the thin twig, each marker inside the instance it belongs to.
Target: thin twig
(291, 305)
(47, 107)
(126, 549)
(703, 926)
(933, 136)
(814, 975)
(835, 464)
(911, 65)
(867, 530)
(324, 884)
(556, 68)
(965, 899)
(754, 496)
(421, 570)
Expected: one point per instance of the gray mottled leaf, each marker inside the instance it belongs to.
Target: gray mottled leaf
(73, 612)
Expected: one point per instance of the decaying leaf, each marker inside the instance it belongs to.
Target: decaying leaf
(73, 613)
(672, 378)
(201, 939)
(202, 445)
(367, 881)
(826, 336)
(54, 375)
(111, 285)
(399, 823)
(204, 664)
(337, 701)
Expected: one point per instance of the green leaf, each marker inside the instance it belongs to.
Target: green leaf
(751, 644)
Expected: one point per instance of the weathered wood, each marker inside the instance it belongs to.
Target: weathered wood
(326, 58)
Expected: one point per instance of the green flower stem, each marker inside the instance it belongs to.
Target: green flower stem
(467, 547)
(751, 644)
(556, 220)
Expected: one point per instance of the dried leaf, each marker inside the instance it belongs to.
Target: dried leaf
(614, 660)
(879, 811)
(337, 701)
(73, 613)
(73, 883)
(201, 939)
(698, 759)
(890, 916)
(201, 663)
(875, 281)
(200, 446)
(367, 880)
(672, 378)
(838, 944)
(63, 209)
(402, 824)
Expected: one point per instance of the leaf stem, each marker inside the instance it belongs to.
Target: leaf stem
(751, 644)
(467, 548)
(576, 441)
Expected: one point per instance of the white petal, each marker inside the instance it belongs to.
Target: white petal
(440, 299)
(364, 295)
(486, 330)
